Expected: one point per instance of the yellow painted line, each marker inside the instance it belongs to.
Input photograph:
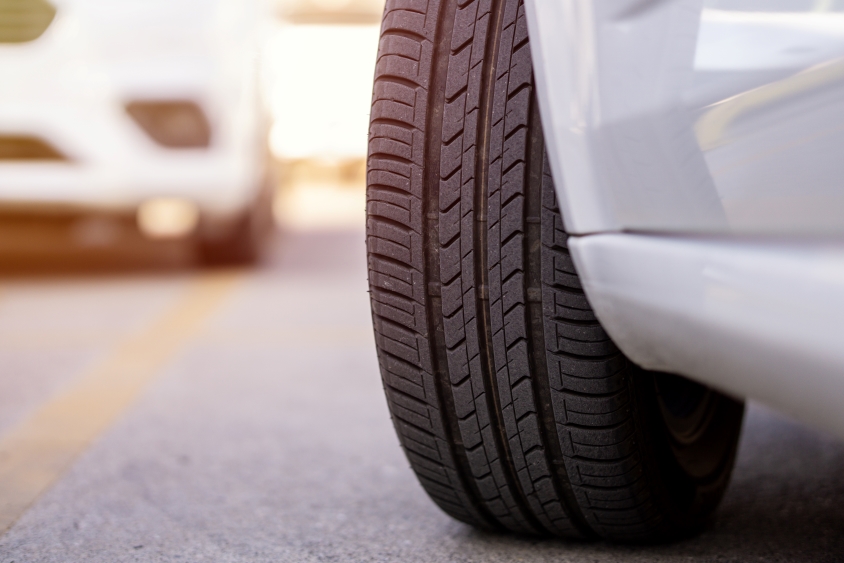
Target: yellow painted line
(35, 453)
(20, 340)
(320, 336)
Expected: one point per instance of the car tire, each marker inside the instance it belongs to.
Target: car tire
(516, 410)
(242, 243)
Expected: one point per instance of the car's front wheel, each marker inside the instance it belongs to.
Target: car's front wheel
(516, 410)
(240, 241)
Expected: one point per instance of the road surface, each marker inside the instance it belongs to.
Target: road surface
(174, 415)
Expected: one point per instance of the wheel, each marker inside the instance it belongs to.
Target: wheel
(242, 243)
(515, 409)
(239, 245)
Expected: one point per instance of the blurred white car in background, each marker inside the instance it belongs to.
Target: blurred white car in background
(148, 110)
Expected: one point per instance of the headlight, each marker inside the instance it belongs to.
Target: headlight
(174, 124)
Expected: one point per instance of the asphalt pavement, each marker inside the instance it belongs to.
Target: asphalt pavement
(260, 432)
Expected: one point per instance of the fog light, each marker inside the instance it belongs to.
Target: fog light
(176, 124)
(27, 147)
(167, 217)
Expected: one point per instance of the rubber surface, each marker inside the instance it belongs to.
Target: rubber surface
(244, 241)
(515, 409)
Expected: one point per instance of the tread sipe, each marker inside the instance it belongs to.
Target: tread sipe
(516, 410)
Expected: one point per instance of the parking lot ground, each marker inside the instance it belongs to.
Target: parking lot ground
(261, 433)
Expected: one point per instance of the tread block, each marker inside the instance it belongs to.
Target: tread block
(376, 176)
(464, 24)
(574, 347)
(582, 332)
(388, 92)
(453, 118)
(396, 315)
(391, 109)
(388, 211)
(380, 145)
(450, 219)
(553, 233)
(399, 198)
(389, 283)
(560, 299)
(518, 108)
(514, 149)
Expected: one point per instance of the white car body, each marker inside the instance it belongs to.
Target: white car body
(696, 147)
(70, 87)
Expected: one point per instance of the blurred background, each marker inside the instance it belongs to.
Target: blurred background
(177, 132)
(318, 136)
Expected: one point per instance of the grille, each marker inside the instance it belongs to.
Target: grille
(24, 147)
(24, 20)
